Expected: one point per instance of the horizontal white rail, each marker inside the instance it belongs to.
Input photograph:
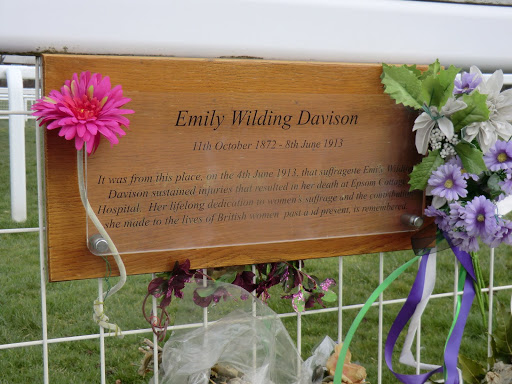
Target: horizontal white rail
(323, 30)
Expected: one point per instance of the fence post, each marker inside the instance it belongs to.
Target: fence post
(17, 145)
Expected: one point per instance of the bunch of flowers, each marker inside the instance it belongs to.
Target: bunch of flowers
(463, 130)
(304, 290)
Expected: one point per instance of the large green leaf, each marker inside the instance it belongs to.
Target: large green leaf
(446, 79)
(432, 91)
(422, 171)
(472, 371)
(432, 71)
(402, 84)
(414, 70)
(438, 87)
(475, 111)
(472, 158)
(329, 296)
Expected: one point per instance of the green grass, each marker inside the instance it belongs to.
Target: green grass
(69, 305)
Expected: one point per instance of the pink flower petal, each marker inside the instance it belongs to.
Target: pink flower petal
(54, 124)
(92, 128)
(79, 143)
(80, 129)
(70, 131)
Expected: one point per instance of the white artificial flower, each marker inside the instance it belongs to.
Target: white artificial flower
(500, 108)
(437, 201)
(425, 122)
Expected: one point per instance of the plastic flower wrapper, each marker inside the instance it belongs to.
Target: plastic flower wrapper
(85, 109)
(245, 335)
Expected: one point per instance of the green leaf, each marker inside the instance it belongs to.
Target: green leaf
(228, 277)
(491, 360)
(493, 185)
(433, 70)
(472, 371)
(308, 283)
(329, 296)
(471, 157)
(432, 91)
(475, 111)
(422, 171)
(402, 84)
(446, 79)
(298, 304)
(437, 88)
(206, 291)
(414, 70)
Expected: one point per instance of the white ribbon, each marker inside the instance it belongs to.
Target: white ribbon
(406, 356)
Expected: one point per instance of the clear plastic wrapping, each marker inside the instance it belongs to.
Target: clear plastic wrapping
(242, 333)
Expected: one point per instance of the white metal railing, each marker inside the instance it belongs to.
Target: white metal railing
(17, 114)
(340, 309)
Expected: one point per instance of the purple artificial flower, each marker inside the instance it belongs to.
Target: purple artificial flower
(455, 160)
(440, 217)
(480, 217)
(501, 234)
(499, 156)
(456, 217)
(506, 228)
(464, 241)
(506, 185)
(466, 83)
(447, 182)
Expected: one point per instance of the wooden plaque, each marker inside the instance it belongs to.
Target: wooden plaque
(231, 162)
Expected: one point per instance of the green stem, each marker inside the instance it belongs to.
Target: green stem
(479, 284)
(374, 296)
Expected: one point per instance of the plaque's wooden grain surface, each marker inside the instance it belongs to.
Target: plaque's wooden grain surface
(68, 255)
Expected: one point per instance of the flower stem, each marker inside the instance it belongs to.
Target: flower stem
(479, 284)
(99, 315)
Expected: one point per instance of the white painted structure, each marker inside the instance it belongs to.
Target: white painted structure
(322, 30)
(17, 116)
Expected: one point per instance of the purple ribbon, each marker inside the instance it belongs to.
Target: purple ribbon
(407, 311)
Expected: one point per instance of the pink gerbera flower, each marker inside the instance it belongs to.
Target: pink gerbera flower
(84, 108)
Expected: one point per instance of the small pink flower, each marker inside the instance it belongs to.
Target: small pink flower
(326, 284)
(84, 108)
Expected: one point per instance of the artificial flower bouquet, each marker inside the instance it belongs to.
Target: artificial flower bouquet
(463, 129)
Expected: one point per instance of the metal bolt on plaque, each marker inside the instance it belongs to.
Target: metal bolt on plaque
(411, 220)
(98, 245)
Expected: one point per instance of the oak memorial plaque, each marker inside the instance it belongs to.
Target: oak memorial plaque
(233, 162)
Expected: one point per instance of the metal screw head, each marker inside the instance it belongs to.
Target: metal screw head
(98, 245)
(411, 220)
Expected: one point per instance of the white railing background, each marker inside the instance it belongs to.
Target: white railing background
(17, 114)
(19, 101)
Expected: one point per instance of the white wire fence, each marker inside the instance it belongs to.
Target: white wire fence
(340, 310)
